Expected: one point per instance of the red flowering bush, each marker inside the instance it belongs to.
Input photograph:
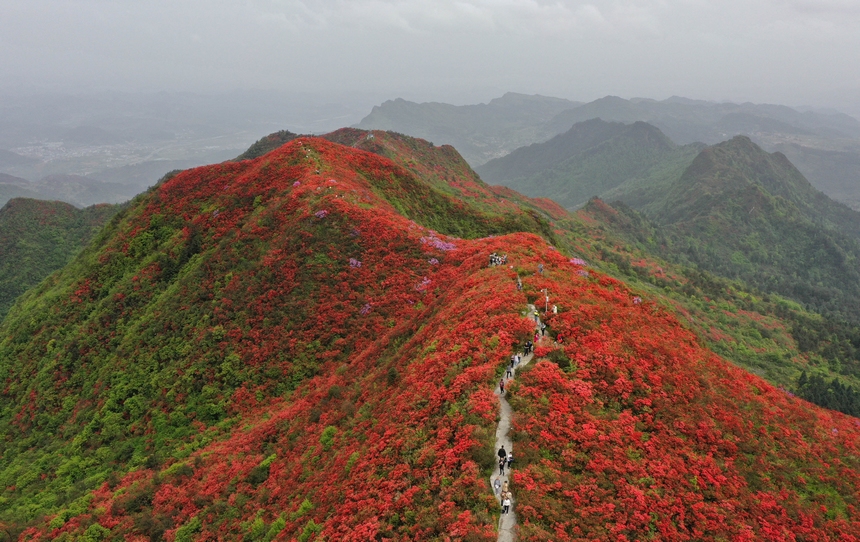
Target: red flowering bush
(541, 351)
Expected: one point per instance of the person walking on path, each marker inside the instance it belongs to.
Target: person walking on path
(502, 452)
(502, 386)
(502, 462)
(510, 460)
(510, 373)
(506, 503)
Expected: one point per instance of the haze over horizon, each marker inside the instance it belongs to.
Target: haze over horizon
(792, 52)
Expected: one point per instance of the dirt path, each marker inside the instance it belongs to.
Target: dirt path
(507, 522)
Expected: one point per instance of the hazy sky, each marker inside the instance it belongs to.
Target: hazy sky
(781, 51)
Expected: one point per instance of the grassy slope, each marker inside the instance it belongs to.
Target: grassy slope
(38, 237)
(743, 213)
(593, 158)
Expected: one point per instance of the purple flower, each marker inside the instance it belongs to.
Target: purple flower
(354, 263)
(577, 261)
(365, 309)
(297, 183)
(583, 273)
(423, 284)
(216, 212)
(433, 261)
(321, 214)
(438, 243)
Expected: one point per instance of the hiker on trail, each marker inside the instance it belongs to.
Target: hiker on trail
(542, 330)
(519, 284)
(506, 503)
(554, 309)
(510, 373)
(513, 361)
(510, 459)
(559, 339)
(540, 269)
(502, 463)
(497, 485)
(502, 386)
(529, 346)
(504, 487)
(537, 317)
(502, 452)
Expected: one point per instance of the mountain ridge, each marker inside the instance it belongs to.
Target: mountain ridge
(283, 348)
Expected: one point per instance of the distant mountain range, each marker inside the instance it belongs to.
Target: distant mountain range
(479, 132)
(74, 189)
(824, 146)
(687, 121)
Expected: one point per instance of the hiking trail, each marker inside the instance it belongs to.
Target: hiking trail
(507, 522)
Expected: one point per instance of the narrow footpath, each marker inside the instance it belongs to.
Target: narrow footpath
(507, 522)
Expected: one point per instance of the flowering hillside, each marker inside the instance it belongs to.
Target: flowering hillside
(653, 436)
(287, 287)
(297, 347)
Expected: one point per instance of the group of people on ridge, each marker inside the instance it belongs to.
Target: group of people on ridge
(505, 459)
(495, 259)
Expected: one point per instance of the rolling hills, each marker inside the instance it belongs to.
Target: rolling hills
(824, 145)
(303, 345)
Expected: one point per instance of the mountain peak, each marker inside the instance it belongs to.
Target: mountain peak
(571, 167)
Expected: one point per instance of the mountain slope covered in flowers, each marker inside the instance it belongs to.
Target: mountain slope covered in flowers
(303, 346)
